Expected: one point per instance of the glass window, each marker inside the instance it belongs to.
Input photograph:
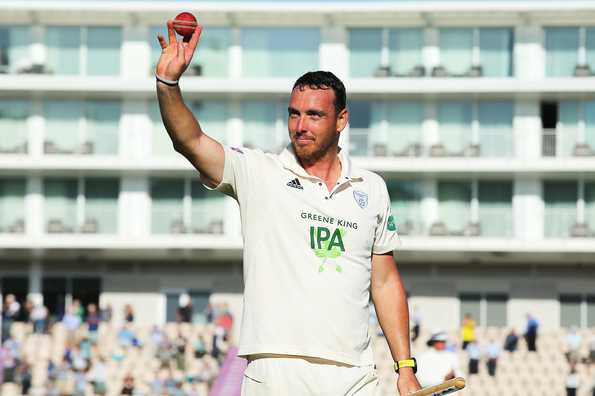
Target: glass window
(62, 129)
(101, 206)
(13, 125)
(12, 205)
(590, 48)
(561, 51)
(14, 48)
(60, 205)
(279, 52)
(470, 304)
(567, 128)
(103, 124)
(365, 46)
(207, 210)
(570, 310)
(213, 51)
(454, 205)
(263, 126)
(405, 205)
(560, 207)
(211, 59)
(63, 49)
(456, 46)
(591, 310)
(454, 122)
(404, 128)
(167, 213)
(495, 129)
(103, 51)
(496, 306)
(495, 52)
(495, 208)
(590, 204)
(404, 47)
(589, 112)
(212, 116)
(366, 134)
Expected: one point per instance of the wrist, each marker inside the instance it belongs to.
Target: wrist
(169, 83)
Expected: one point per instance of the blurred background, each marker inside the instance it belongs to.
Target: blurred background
(121, 274)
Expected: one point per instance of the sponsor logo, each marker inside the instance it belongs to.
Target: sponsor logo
(295, 183)
(327, 244)
(391, 225)
(361, 198)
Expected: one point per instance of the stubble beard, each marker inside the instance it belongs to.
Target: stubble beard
(308, 155)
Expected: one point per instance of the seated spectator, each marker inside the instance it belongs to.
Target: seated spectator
(92, 320)
(128, 386)
(573, 345)
(511, 342)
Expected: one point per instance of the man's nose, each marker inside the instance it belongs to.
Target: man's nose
(302, 124)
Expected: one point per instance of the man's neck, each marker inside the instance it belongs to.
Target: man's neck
(327, 168)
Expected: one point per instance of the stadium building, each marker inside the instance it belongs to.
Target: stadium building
(479, 114)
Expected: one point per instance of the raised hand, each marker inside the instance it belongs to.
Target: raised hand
(175, 55)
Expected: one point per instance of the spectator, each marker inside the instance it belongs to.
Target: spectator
(71, 321)
(106, 314)
(184, 313)
(511, 342)
(225, 320)
(128, 386)
(468, 330)
(10, 314)
(436, 364)
(592, 351)
(531, 333)
(493, 353)
(573, 381)
(38, 316)
(128, 313)
(416, 323)
(98, 376)
(24, 375)
(78, 309)
(573, 345)
(12, 357)
(92, 320)
(474, 355)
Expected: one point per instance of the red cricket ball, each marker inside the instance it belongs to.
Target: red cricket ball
(184, 24)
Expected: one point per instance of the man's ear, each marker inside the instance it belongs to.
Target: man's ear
(342, 119)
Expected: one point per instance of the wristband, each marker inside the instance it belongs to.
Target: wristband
(171, 83)
(406, 363)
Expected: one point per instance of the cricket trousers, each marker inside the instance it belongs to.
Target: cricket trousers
(294, 376)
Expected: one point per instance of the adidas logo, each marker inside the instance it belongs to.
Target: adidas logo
(295, 183)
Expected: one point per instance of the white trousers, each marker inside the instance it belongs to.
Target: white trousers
(279, 376)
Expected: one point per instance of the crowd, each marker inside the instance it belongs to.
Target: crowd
(489, 351)
(178, 359)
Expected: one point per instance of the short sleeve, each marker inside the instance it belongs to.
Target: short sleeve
(236, 171)
(386, 237)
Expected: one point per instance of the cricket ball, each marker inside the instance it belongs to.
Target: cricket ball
(184, 24)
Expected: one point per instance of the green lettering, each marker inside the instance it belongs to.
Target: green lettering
(320, 237)
(311, 237)
(336, 240)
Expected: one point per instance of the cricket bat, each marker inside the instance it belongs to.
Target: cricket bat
(444, 388)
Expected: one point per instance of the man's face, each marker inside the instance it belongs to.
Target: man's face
(313, 123)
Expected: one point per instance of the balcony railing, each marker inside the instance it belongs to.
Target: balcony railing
(559, 221)
(556, 143)
(496, 222)
(493, 143)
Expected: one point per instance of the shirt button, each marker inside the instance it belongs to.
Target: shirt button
(325, 197)
(320, 184)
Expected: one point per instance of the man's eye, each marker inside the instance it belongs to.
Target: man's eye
(315, 116)
(293, 115)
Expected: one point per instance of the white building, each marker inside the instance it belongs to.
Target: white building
(480, 115)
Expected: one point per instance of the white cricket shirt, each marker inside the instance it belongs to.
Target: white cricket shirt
(307, 254)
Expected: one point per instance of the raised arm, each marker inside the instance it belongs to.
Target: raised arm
(205, 153)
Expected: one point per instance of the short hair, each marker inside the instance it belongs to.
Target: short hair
(324, 80)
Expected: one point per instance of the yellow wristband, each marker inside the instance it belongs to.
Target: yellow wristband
(406, 363)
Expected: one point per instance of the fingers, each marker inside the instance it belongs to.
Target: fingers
(195, 37)
(171, 32)
(161, 40)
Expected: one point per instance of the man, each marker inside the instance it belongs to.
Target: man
(318, 241)
(531, 333)
(437, 364)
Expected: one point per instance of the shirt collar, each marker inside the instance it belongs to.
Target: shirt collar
(290, 161)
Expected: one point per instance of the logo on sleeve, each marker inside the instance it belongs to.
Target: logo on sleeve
(361, 198)
(391, 226)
